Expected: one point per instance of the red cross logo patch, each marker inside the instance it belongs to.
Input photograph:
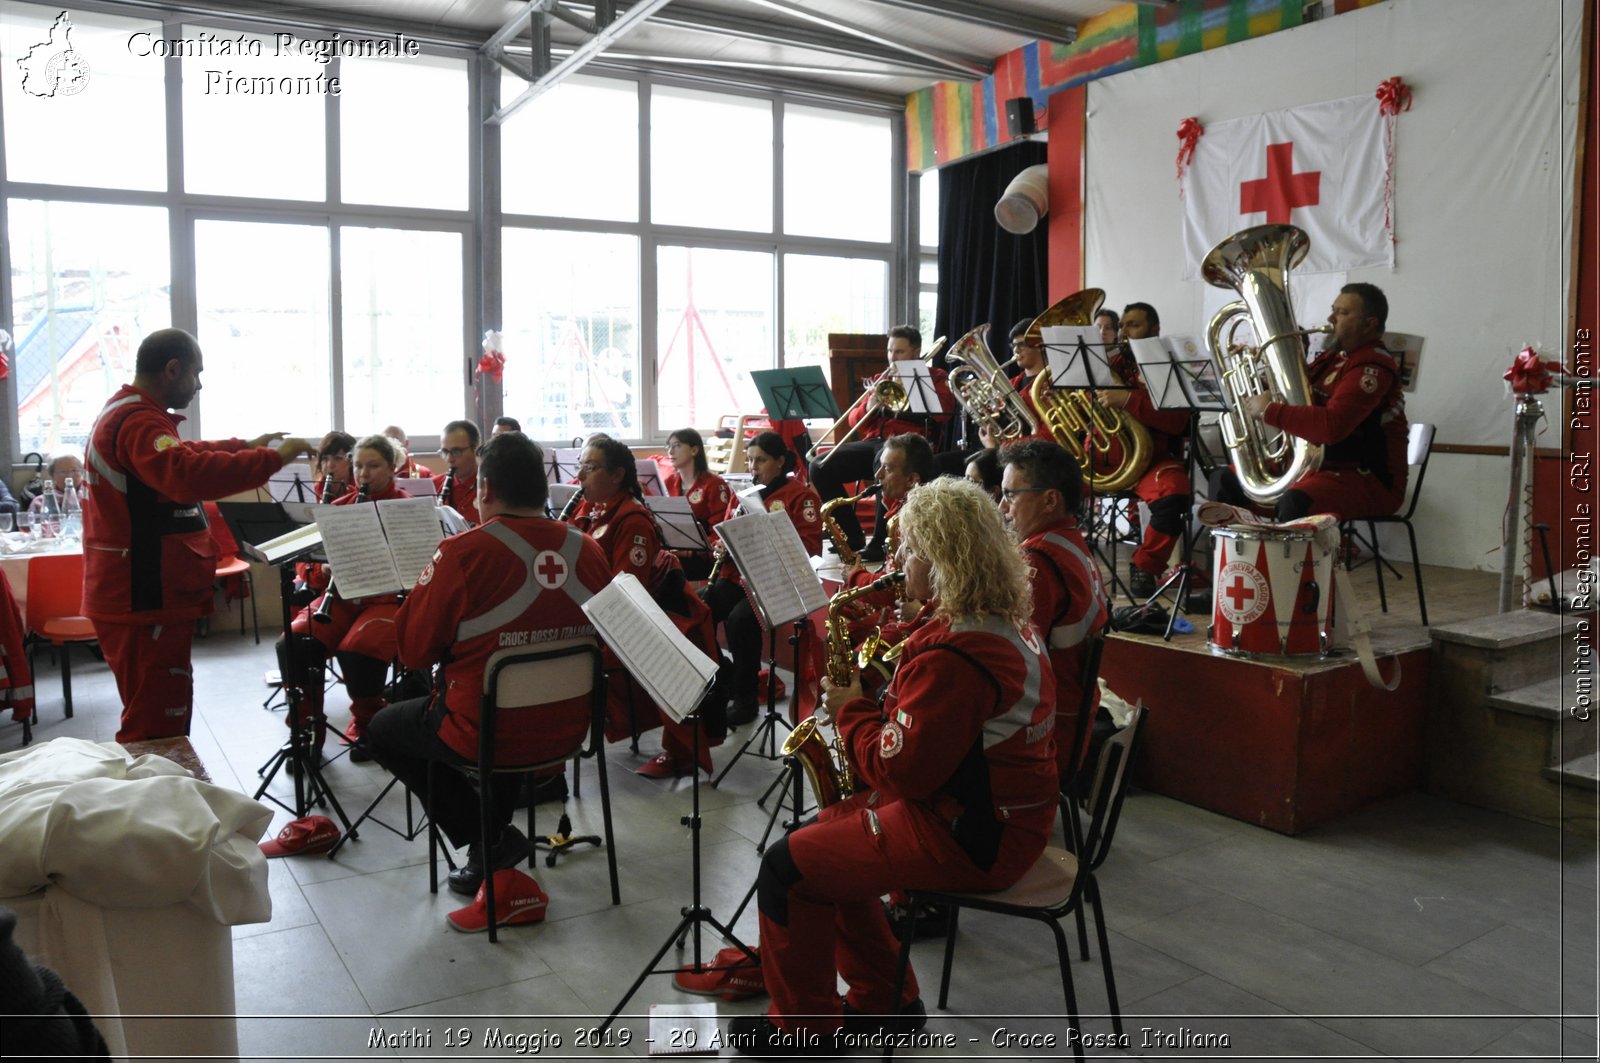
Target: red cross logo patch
(809, 511)
(891, 741)
(695, 496)
(1242, 593)
(1369, 380)
(637, 556)
(550, 569)
(426, 577)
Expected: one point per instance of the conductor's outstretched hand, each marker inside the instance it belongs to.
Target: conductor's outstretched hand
(292, 447)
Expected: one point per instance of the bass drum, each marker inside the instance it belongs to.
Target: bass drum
(1274, 593)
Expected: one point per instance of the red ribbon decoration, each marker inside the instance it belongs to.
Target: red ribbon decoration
(1530, 374)
(1394, 96)
(1189, 133)
(5, 366)
(492, 365)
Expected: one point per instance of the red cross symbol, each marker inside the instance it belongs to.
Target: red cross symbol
(1241, 592)
(1282, 189)
(550, 570)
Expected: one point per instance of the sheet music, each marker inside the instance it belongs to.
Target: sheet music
(750, 499)
(650, 477)
(561, 464)
(1077, 357)
(1155, 356)
(738, 481)
(917, 379)
(412, 528)
(797, 563)
(416, 486)
(287, 545)
(452, 521)
(358, 552)
(560, 495)
(777, 573)
(672, 669)
(675, 518)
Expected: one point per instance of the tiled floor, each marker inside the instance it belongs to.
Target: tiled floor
(1416, 928)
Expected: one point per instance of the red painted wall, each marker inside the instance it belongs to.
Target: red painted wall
(1065, 118)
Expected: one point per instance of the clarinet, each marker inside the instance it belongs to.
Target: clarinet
(327, 490)
(324, 611)
(448, 493)
(572, 504)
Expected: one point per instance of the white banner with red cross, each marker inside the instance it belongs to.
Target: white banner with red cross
(1322, 167)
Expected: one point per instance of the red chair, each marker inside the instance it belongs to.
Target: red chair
(54, 608)
(230, 565)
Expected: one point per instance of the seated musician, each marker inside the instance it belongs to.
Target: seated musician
(333, 466)
(502, 425)
(360, 634)
(1164, 485)
(907, 463)
(1109, 325)
(955, 785)
(983, 469)
(707, 492)
(405, 468)
(1357, 410)
(457, 486)
(1041, 492)
(772, 464)
(857, 459)
(481, 587)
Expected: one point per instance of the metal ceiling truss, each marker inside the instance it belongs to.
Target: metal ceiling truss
(981, 14)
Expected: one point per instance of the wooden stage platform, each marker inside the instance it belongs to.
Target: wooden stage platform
(1288, 744)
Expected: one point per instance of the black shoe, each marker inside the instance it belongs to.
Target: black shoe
(759, 1036)
(872, 553)
(932, 920)
(511, 850)
(909, 1019)
(1140, 584)
(742, 711)
(360, 750)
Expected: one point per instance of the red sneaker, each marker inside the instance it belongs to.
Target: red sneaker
(664, 766)
(730, 975)
(517, 900)
(304, 836)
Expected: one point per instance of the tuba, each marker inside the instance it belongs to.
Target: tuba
(1256, 264)
(983, 390)
(1111, 446)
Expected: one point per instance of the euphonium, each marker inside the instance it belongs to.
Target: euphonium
(984, 392)
(1111, 446)
(1256, 263)
(828, 766)
(841, 542)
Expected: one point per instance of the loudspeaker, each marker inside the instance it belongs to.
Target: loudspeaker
(1019, 117)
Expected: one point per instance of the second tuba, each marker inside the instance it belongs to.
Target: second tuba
(984, 392)
(1111, 446)
(1256, 263)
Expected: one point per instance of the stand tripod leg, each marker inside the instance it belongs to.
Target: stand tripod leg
(765, 733)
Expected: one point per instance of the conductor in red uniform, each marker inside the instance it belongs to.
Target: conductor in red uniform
(148, 558)
(955, 784)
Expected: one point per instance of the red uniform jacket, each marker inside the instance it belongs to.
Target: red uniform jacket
(1168, 428)
(411, 469)
(1069, 605)
(463, 496)
(967, 731)
(625, 530)
(148, 556)
(16, 678)
(881, 424)
(512, 581)
(708, 496)
(1024, 385)
(797, 499)
(1358, 410)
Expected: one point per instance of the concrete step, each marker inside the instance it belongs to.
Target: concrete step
(1545, 699)
(1501, 652)
(1581, 772)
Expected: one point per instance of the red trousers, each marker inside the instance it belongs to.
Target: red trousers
(1166, 478)
(1349, 493)
(818, 893)
(154, 676)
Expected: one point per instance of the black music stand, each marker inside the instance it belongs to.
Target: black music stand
(295, 489)
(763, 739)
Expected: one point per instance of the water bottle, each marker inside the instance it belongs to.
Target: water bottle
(72, 514)
(46, 515)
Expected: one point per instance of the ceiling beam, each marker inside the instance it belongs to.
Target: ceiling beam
(792, 88)
(1053, 30)
(551, 75)
(973, 68)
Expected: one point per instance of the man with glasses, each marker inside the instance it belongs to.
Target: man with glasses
(459, 449)
(1041, 489)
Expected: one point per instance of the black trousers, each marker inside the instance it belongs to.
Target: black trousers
(851, 462)
(742, 630)
(405, 740)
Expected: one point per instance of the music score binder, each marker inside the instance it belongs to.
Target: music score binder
(672, 670)
(776, 568)
(1178, 372)
(382, 548)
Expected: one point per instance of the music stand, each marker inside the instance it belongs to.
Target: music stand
(292, 483)
(680, 529)
(561, 464)
(1180, 375)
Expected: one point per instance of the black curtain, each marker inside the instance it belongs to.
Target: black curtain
(985, 273)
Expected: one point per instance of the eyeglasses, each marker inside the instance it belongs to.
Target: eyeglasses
(1010, 494)
(592, 466)
(1020, 345)
(453, 452)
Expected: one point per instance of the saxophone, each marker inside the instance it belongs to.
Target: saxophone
(841, 542)
(827, 765)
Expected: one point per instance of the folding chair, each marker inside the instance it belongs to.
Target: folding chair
(1419, 447)
(54, 610)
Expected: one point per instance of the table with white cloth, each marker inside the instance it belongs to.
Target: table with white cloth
(15, 550)
(126, 873)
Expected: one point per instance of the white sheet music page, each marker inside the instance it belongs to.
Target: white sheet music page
(290, 543)
(358, 553)
(561, 494)
(672, 669)
(797, 565)
(917, 379)
(412, 527)
(675, 518)
(1154, 355)
(754, 547)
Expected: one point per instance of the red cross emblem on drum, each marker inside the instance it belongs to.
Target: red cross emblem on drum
(549, 569)
(1242, 593)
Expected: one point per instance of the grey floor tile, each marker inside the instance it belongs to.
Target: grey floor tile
(1207, 1015)
(295, 997)
(1540, 1039)
(1524, 969)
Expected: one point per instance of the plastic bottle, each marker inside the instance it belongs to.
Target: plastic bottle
(72, 514)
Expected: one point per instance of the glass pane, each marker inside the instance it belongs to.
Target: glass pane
(427, 97)
(928, 214)
(823, 295)
(571, 333)
(253, 120)
(710, 160)
(602, 182)
(83, 99)
(88, 283)
(264, 327)
(927, 306)
(402, 329)
(836, 174)
(928, 272)
(713, 325)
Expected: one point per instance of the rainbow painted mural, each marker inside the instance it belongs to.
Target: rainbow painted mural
(953, 119)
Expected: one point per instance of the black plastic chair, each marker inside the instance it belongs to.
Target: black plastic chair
(1419, 446)
(523, 683)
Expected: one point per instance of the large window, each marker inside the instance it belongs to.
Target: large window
(572, 152)
(835, 174)
(713, 326)
(88, 281)
(262, 295)
(710, 160)
(572, 333)
(418, 160)
(823, 295)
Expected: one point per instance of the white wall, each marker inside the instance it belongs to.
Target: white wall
(1482, 212)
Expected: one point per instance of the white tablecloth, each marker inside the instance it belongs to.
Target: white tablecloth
(16, 566)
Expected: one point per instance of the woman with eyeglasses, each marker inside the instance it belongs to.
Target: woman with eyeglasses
(707, 492)
(359, 633)
(772, 466)
(956, 785)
